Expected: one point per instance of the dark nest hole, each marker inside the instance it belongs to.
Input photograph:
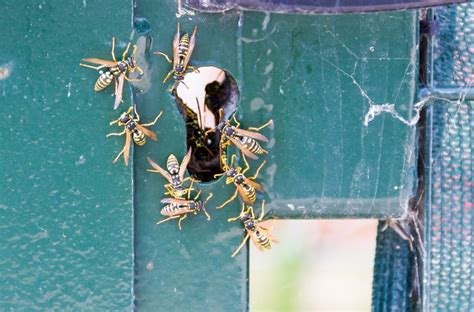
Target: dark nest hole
(200, 97)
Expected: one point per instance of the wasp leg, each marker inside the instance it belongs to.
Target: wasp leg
(118, 156)
(154, 121)
(241, 245)
(194, 69)
(188, 178)
(209, 131)
(93, 67)
(270, 122)
(168, 75)
(167, 219)
(162, 54)
(181, 219)
(238, 217)
(113, 49)
(258, 170)
(197, 196)
(228, 201)
(169, 189)
(237, 123)
(262, 212)
(247, 166)
(116, 133)
(233, 219)
(124, 54)
(188, 190)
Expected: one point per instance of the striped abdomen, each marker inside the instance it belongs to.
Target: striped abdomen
(172, 164)
(263, 240)
(138, 137)
(183, 47)
(104, 80)
(174, 210)
(248, 190)
(252, 145)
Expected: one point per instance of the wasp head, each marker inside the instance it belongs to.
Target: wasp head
(124, 119)
(231, 173)
(131, 63)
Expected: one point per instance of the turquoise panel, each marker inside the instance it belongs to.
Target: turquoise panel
(65, 210)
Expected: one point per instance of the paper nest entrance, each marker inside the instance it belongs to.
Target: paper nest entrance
(199, 97)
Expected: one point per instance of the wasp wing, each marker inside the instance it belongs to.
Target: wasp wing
(176, 47)
(255, 241)
(126, 148)
(99, 61)
(160, 170)
(177, 201)
(265, 227)
(244, 195)
(255, 185)
(118, 95)
(251, 134)
(147, 132)
(192, 43)
(184, 164)
(244, 150)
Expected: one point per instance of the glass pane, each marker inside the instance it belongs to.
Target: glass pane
(317, 266)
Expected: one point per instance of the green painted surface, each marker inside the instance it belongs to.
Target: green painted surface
(65, 210)
(310, 74)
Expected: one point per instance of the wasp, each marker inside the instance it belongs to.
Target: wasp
(245, 140)
(182, 50)
(114, 70)
(174, 175)
(133, 129)
(179, 208)
(256, 229)
(246, 187)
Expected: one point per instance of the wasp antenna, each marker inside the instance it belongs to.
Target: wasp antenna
(232, 159)
(218, 175)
